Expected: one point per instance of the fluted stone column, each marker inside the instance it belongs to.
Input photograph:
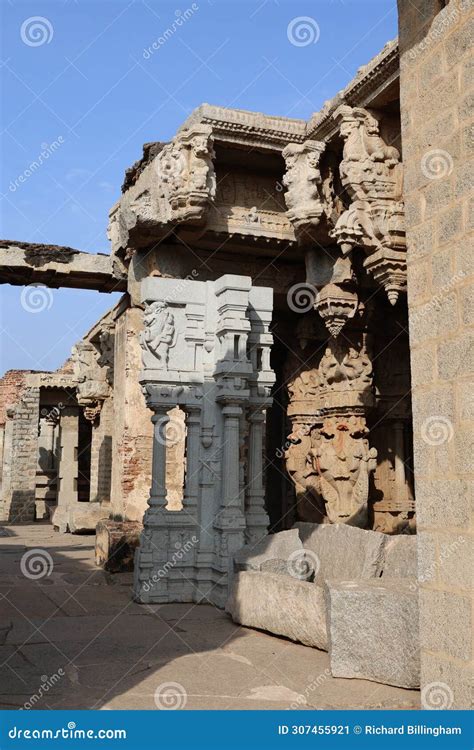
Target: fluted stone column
(256, 516)
(193, 436)
(157, 498)
(230, 459)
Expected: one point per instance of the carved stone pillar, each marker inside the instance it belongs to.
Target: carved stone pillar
(191, 480)
(231, 506)
(255, 513)
(157, 499)
(195, 346)
(68, 465)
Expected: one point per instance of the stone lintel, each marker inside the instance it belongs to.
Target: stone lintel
(55, 266)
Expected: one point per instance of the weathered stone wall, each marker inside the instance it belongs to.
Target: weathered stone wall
(101, 453)
(437, 132)
(18, 491)
(133, 429)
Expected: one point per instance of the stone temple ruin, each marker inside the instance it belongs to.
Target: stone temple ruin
(258, 374)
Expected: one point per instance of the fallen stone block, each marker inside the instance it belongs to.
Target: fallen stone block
(273, 547)
(279, 604)
(342, 551)
(84, 517)
(372, 628)
(400, 557)
(59, 518)
(115, 544)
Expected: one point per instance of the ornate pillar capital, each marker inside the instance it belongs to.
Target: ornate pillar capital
(303, 181)
(372, 174)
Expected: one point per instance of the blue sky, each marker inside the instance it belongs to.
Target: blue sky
(92, 87)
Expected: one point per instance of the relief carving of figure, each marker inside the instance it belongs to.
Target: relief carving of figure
(344, 461)
(84, 358)
(303, 182)
(305, 385)
(340, 370)
(372, 175)
(202, 168)
(159, 333)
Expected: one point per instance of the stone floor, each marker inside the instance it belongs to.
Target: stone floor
(75, 639)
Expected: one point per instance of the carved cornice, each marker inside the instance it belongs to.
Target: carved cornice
(241, 127)
(379, 73)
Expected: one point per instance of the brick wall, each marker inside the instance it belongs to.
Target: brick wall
(11, 386)
(436, 94)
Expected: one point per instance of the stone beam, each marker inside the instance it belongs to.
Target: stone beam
(23, 263)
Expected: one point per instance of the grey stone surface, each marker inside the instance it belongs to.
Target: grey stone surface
(279, 604)
(343, 551)
(276, 565)
(373, 630)
(84, 519)
(400, 557)
(274, 546)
